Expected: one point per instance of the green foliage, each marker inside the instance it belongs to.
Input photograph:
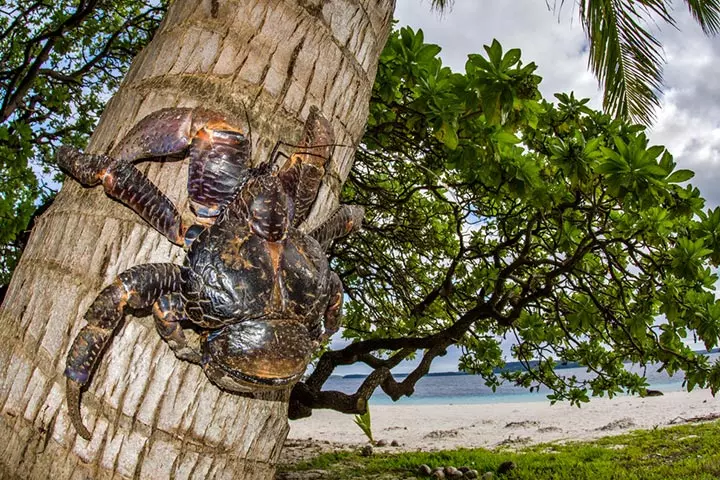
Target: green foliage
(19, 191)
(59, 63)
(363, 421)
(494, 213)
(687, 451)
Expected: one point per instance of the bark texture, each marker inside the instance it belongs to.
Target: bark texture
(151, 415)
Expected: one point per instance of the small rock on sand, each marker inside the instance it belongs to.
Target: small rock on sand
(619, 424)
(522, 424)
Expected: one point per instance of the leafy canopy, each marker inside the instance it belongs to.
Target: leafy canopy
(625, 55)
(494, 213)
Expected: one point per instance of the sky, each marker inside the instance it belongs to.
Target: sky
(687, 124)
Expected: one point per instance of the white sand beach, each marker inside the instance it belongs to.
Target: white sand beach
(438, 427)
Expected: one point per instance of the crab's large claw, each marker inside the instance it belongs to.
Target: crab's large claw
(257, 355)
(219, 162)
(219, 152)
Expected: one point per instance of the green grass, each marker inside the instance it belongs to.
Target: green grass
(681, 452)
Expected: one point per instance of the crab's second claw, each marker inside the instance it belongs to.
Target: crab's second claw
(73, 393)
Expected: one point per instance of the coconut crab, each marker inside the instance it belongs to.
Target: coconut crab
(255, 285)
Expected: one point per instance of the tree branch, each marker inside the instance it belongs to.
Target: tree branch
(12, 100)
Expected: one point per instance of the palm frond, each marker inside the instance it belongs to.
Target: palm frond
(707, 14)
(441, 5)
(626, 58)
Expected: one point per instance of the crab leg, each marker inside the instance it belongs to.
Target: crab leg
(333, 313)
(169, 311)
(137, 288)
(345, 220)
(123, 182)
(305, 169)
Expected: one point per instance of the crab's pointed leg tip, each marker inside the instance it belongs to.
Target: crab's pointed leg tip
(73, 402)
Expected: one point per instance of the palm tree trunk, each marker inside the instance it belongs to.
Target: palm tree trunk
(151, 415)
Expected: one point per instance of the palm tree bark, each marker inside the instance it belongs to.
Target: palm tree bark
(153, 416)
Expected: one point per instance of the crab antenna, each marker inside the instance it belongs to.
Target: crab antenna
(72, 393)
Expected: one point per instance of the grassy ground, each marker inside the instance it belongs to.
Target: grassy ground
(681, 452)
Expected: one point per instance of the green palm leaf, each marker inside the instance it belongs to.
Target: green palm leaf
(626, 58)
(706, 13)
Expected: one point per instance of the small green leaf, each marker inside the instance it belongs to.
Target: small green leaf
(679, 176)
(447, 134)
(506, 137)
(494, 52)
(478, 61)
(363, 421)
(427, 53)
(511, 58)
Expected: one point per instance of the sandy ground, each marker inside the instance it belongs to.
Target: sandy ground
(438, 427)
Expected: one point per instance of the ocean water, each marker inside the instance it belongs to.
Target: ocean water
(470, 389)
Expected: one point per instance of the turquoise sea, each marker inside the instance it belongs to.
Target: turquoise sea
(455, 388)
